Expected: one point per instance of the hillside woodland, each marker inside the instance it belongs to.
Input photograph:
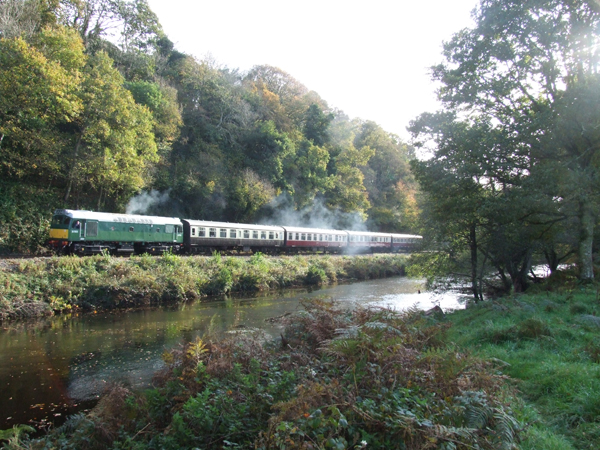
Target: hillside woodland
(99, 110)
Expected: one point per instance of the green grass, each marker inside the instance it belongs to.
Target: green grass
(549, 345)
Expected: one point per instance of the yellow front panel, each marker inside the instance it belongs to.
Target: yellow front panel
(56, 233)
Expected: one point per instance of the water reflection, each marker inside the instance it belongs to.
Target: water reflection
(57, 366)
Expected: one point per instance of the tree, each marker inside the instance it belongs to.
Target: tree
(95, 19)
(316, 124)
(307, 173)
(347, 189)
(479, 203)
(19, 18)
(38, 90)
(524, 67)
(388, 180)
(266, 150)
(246, 194)
(113, 143)
(162, 102)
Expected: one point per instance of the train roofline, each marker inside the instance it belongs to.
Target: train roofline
(240, 226)
(115, 217)
(313, 230)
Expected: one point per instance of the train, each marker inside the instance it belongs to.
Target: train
(77, 232)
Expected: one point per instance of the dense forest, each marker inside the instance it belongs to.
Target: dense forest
(99, 110)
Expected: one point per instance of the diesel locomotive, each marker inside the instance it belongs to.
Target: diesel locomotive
(74, 232)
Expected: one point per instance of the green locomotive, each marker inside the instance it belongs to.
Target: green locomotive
(88, 233)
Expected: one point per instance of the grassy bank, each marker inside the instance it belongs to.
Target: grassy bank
(36, 287)
(548, 343)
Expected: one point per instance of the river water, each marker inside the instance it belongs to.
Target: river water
(60, 365)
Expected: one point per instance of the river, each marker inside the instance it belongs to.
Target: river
(61, 365)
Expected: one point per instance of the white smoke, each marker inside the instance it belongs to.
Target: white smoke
(316, 215)
(141, 203)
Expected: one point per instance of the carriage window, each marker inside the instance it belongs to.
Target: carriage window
(202, 232)
(223, 233)
(193, 232)
(212, 232)
(232, 233)
(254, 234)
(246, 234)
(263, 234)
(303, 236)
(271, 235)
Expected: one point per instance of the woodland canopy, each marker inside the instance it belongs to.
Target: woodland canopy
(97, 104)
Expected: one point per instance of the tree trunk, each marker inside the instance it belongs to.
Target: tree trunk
(586, 238)
(72, 171)
(551, 259)
(473, 245)
(100, 198)
(519, 279)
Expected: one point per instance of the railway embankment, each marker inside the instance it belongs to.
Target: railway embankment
(41, 286)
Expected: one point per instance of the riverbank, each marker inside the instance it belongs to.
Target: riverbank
(37, 287)
(520, 372)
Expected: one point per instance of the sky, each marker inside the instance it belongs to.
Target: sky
(370, 59)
